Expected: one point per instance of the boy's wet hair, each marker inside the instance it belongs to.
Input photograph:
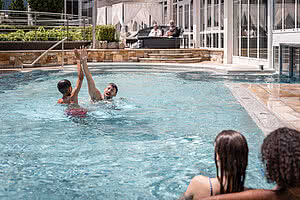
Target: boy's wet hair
(114, 86)
(63, 86)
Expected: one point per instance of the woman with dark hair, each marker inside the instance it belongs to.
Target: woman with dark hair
(281, 157)
(231, 159)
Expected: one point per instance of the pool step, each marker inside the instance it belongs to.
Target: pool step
(171, 60)
(171, 55)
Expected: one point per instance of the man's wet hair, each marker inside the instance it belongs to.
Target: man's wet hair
(114, 86)
(281, 157)
(63, 86)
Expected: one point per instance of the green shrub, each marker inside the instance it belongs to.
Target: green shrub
(30, 36)
(103, 33)
(3, 37)
(19, 35)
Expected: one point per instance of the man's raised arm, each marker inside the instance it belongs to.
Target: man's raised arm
(93, 91)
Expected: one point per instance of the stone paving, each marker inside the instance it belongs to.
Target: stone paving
(281, 99)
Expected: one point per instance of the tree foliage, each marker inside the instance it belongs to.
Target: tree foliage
(17, 5)
(55, 6)
(1, 4)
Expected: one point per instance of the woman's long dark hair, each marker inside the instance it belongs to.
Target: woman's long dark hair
(232, 150)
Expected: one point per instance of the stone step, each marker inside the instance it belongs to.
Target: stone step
(171, 55)
(175, 60)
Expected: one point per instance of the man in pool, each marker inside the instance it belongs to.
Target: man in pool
(109, 92)
(70, 95)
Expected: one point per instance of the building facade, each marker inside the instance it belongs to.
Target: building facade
(250, 32)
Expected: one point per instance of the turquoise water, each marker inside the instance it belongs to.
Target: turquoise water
(147, 144)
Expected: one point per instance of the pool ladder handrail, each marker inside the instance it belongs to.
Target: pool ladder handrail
(62, 57)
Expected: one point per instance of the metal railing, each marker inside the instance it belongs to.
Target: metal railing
(11, 21)
(62, 56)
(32, 18)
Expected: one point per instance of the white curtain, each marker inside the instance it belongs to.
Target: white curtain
(117, 12)
(155, 10)
(131, 10)
(101, 16)
(140, 12)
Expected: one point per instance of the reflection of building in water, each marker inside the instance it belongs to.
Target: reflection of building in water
(248, 31)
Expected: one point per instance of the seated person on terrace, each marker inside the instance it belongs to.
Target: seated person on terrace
(155, 32)
(70, 95)
(231, 160)
(280, 155)
(173, 30)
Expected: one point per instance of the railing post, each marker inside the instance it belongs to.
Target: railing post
(62, 54)
(84, 31)
(35, 26)
(67, 27)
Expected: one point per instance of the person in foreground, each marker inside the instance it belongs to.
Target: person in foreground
(280, 155)
(109, 92)
(231, 159)
(70, 95)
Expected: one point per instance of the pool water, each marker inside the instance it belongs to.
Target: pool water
(147, 144)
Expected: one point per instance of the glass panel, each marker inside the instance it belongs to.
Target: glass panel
(276, 58)
(202, 41)
(236, 29)
(296, 63)
(202, 11)
(180, 16)
(209, 6)
(244, 28)
(222, 40)
(289, 14)
(186, 16)
(165, 15)
(222, 15)
(278, 15)
(263, 29)
(253, 28)
(75, 8)
(208, 41)
(298, 13)
(216, 13)
(216, 40)
(175, 13)
(191, 41)
(285, 61)
(191, 16)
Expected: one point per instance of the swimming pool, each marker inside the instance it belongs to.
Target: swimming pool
(147, 144)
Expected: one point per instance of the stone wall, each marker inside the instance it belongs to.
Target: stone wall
(14, 59)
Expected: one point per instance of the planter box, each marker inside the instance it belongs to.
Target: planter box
(39, 45)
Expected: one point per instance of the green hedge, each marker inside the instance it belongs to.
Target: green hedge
(103, 33)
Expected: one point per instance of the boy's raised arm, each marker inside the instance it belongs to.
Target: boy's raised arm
(79, 74)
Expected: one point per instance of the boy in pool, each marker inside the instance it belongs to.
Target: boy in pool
(70, 96)
(109, 92)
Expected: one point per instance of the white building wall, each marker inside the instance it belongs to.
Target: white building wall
(285, 37)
